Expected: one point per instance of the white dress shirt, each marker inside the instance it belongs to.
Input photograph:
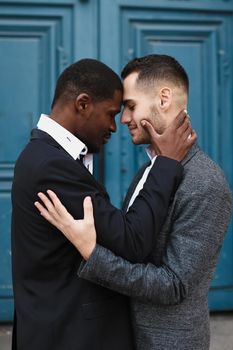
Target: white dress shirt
(144, 176)
(66, 140)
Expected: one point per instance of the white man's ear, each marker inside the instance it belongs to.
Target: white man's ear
(165, 98)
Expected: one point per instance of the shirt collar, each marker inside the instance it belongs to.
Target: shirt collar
(68, 141)
(150, 152)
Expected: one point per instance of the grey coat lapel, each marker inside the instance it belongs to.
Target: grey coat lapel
(191, 153)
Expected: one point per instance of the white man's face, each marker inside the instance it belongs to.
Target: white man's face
(139, 105)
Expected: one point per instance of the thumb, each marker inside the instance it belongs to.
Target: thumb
(88, 209)
(148, 126)
(179, 119)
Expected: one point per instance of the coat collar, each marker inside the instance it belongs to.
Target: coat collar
(191, 153)
(74, 146)
(37, 134)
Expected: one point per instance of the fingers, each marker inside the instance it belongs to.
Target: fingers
(57, 203)
(185, 130)
(189, 139)
(192, 137)
(45, 213)
(179, 119)
(88, 210)
(148, 126)
(46, 201)
(53, 210)
(184, 125)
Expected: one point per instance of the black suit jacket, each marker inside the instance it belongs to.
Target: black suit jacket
(54, 308)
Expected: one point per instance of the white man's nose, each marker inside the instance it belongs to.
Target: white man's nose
(125, 117)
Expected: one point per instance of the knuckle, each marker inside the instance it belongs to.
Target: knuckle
(52, 210)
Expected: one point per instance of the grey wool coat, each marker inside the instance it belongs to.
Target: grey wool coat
(169, 306)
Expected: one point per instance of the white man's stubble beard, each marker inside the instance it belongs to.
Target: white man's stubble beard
(156, 120)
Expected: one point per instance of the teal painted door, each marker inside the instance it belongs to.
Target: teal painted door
(38, 39)
(199, 35)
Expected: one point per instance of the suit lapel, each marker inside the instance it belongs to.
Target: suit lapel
(133, 186)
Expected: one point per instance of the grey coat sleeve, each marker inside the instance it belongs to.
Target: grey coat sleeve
(199, 223)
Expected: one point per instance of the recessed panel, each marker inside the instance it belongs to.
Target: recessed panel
(19, 91)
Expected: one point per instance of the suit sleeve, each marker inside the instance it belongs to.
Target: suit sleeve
(129, 235)
(194, 244)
